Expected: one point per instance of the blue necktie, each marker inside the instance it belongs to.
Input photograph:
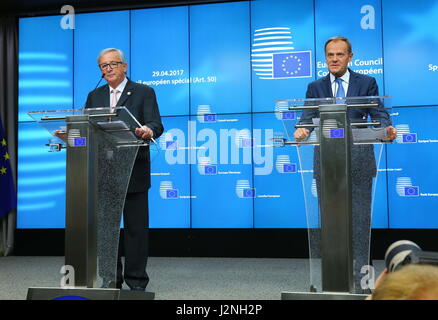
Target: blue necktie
(340, 93)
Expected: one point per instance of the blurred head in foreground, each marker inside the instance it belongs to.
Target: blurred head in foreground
(411, 282)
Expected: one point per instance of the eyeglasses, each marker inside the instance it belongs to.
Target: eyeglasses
(112, 64)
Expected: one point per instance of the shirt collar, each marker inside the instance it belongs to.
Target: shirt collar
(121, 86)
(345, 77)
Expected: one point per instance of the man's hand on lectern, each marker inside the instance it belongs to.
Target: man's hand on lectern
(301, 134)
(391, 132)
(144, 132)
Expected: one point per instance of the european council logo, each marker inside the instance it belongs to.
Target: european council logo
(405, 188)
(404, 134)
(272, 55)
(243, 139)
(283, 165)
(243, 189)
(205, 167)
(205, 115)
(282, 111)
(330, 129)
(167, 142)
(167, 191)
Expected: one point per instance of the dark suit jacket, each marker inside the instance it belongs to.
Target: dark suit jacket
(362, 156)
(142, 103)
(360, 86)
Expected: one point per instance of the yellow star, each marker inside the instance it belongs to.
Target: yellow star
(3, 142)
(3, 170)
(6, 156)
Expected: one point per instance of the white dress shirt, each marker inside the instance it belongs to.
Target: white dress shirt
(120, 87)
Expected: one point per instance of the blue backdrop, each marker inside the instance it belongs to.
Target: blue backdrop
(217, 70)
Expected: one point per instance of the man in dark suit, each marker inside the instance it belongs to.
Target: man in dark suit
(140, 100)
(343, 82)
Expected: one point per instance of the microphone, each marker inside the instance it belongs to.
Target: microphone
(103, 75)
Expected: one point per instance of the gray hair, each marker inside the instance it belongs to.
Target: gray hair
(105, 51)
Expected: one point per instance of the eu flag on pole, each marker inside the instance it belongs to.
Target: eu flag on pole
(292, 64)
(8, 198)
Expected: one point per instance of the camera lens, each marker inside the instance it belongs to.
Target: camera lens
(397, 254)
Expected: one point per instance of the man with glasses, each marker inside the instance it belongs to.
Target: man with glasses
(140, 100)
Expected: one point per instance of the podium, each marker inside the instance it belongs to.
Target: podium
(338, 165)
(101, 149)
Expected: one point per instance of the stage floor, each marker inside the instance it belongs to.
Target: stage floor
(178, 278)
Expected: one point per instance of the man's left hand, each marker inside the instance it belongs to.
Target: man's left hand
(144, 132)
(391, 132)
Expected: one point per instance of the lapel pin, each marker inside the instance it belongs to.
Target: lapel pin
(128, 93)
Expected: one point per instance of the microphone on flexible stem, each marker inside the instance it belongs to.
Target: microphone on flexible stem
(103, 75)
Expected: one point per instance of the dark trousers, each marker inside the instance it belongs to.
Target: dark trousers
(134, 244)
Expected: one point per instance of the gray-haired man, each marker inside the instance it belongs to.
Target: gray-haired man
(141, 102)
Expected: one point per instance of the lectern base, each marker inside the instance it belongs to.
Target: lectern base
(322, 296)
(87, 294)
(136, 295)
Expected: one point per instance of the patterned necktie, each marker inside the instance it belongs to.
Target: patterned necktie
(114, 99)
(340, 93)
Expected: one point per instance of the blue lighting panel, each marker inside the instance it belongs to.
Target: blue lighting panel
(41, 180)
(211, 66)
(280, 200)
(413, 169)
(160, 56)
(45, 66)
(219, 58)
(169, 196)
(93, 33)
(221, 173)
(380, 194)
(410, 45)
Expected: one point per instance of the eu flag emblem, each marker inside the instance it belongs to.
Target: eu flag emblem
(171, 145)
(412, 191)
(8, 197)
(79, 142)
(292, 64)
(210, 117)
(289, 168)
(172, 194)
(249, 193)
(290, 115)
(337, 133)
(409, 137)
(210, 169)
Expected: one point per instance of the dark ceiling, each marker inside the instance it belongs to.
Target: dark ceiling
(47, 7)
